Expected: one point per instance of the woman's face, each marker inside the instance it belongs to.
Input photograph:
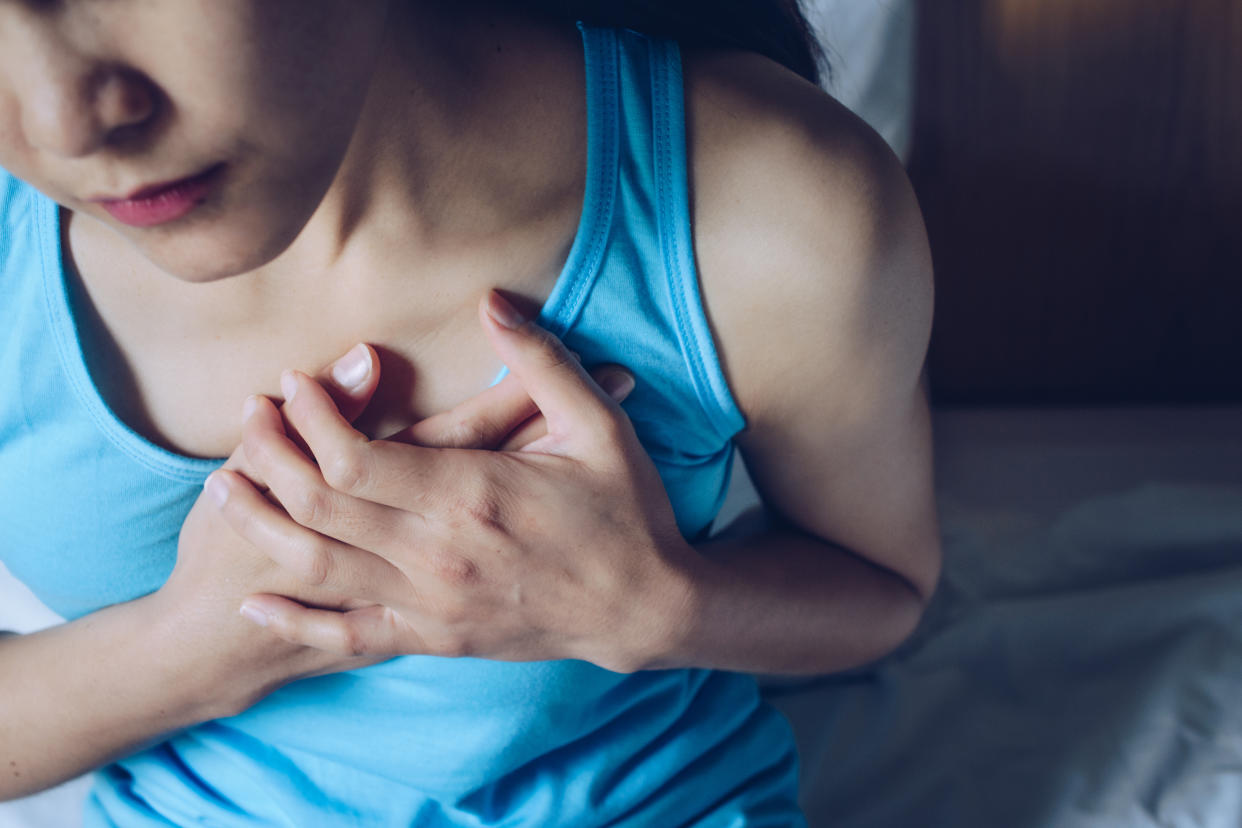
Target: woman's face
(102, 98)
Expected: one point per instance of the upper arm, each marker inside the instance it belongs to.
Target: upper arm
(817, 280)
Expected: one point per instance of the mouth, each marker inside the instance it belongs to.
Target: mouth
(164, 202)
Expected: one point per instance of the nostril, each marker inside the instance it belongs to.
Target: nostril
(123, 100)
(73, 113)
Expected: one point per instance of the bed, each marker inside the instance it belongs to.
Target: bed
(1081, 663)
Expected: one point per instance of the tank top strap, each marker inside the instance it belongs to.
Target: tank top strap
(677, 245)
(642, 285)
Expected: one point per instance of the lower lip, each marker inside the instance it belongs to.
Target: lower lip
(166, 205)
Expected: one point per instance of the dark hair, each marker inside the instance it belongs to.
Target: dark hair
(777, 29)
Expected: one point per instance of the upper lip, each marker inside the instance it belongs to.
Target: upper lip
(151, 189)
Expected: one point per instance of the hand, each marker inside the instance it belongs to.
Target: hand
(216, 570)
(567, 548)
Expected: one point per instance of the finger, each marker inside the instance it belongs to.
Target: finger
(576, 409)
(317, 561)
(371, 631)
(301, 488)
(351, 382)
(525, 436)
(398, 477)
(481, 422)
(312, 413)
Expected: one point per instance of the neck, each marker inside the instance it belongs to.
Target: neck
(459, 147)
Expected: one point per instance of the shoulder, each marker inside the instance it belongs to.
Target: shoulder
(816, 280)
(808, 237)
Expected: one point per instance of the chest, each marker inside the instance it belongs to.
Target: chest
(92, 512)
(178, 379)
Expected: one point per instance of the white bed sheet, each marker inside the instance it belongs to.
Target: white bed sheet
(1081, 664)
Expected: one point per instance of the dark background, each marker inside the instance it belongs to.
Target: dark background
(1079, 165)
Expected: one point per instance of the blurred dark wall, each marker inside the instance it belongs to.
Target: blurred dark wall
(1080, 168)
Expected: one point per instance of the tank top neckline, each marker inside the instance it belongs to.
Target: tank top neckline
(557, 314)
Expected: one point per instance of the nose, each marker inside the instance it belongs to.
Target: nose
(76, 108)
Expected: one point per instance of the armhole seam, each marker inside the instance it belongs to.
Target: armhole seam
(676, 241)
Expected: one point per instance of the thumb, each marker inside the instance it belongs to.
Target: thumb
(351, 380)
(576, 409)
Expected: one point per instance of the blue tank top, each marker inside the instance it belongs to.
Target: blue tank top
(91, 511)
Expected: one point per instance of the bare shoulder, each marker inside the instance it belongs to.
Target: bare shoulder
(808, 237)
(817, 283)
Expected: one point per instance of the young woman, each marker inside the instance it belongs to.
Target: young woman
(200, 195)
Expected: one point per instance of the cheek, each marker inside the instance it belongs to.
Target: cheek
(281, 112)
(277, 102)
(15, 154)
(296, 76)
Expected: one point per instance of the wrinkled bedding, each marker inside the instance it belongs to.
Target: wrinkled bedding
(1081, 664)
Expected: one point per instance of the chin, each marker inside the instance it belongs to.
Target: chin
(210, 253)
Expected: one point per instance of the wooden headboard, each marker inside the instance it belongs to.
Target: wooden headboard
(1079, 165)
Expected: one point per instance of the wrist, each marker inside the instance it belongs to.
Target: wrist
(670, 609)
(210, 667)
(182, 673)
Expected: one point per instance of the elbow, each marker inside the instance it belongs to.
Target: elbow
(13, 785)
(906, 616)
(931, 561)
(914, 595)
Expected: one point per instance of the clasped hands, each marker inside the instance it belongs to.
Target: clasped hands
(565, 547)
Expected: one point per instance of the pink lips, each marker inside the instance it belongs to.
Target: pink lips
(162, 203)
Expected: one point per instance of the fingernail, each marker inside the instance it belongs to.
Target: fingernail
(352, 370)
(216, 489)
(618, 385)
(288, 385)
(254, 614)
(249, 407)
(498, 308)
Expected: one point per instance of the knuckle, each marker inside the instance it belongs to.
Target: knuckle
(451, 645)
(481, 504)
(454, 569)
(259, 449)
(351, 642)
(610, 428)
(550, 348)
(555, 357)
(484, 512)
(244, 520)
(247, 521)
(348, 470)
(313, 561)
(310, 506)
(468, 432)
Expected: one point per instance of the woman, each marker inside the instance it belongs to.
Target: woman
(245, 187)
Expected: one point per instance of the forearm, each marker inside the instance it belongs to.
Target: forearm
(77, 696)
(769, 599)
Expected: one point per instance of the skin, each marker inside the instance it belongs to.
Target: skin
(382, 215)
(375, 190)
